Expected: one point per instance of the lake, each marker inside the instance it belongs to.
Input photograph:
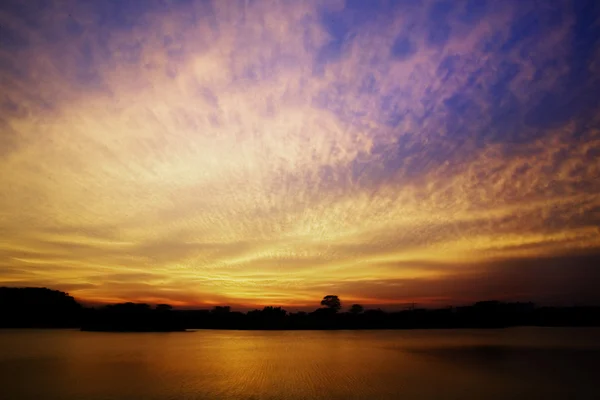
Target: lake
(517, 363)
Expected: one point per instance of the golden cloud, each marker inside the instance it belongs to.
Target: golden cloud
(215, 153)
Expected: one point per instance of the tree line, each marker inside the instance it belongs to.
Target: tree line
(45, 308)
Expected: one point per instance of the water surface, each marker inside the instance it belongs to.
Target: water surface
(519, 363)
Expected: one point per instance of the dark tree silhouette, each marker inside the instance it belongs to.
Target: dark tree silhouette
(332, 302)
(129, 307)
(221, 309)
(274, 312)
(45, 308)
(37, 307)
(132, 317)
(356, 309)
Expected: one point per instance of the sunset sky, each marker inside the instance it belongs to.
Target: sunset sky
(272, 152)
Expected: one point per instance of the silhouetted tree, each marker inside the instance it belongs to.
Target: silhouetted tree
(332, 302)
(356, 309)
(37, 307)
(128, 307)
(274, 312)
(221, 309)
(300, 314)
(45, 308)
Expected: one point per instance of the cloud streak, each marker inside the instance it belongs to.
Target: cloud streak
(239, 151)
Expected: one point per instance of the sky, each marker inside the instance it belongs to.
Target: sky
(272, 152)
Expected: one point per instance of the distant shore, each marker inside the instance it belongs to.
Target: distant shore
(45, 308)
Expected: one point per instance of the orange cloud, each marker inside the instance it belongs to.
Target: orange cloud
(249, 152)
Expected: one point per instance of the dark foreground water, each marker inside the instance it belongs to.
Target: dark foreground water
(520, 363)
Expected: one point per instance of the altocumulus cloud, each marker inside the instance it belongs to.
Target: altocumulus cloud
(270, 151)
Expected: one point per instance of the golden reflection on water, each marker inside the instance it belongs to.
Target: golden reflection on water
(459, 364)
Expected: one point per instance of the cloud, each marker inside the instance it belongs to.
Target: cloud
(253, 150)
(563, 279)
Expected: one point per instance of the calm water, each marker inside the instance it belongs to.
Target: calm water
(522, 363)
